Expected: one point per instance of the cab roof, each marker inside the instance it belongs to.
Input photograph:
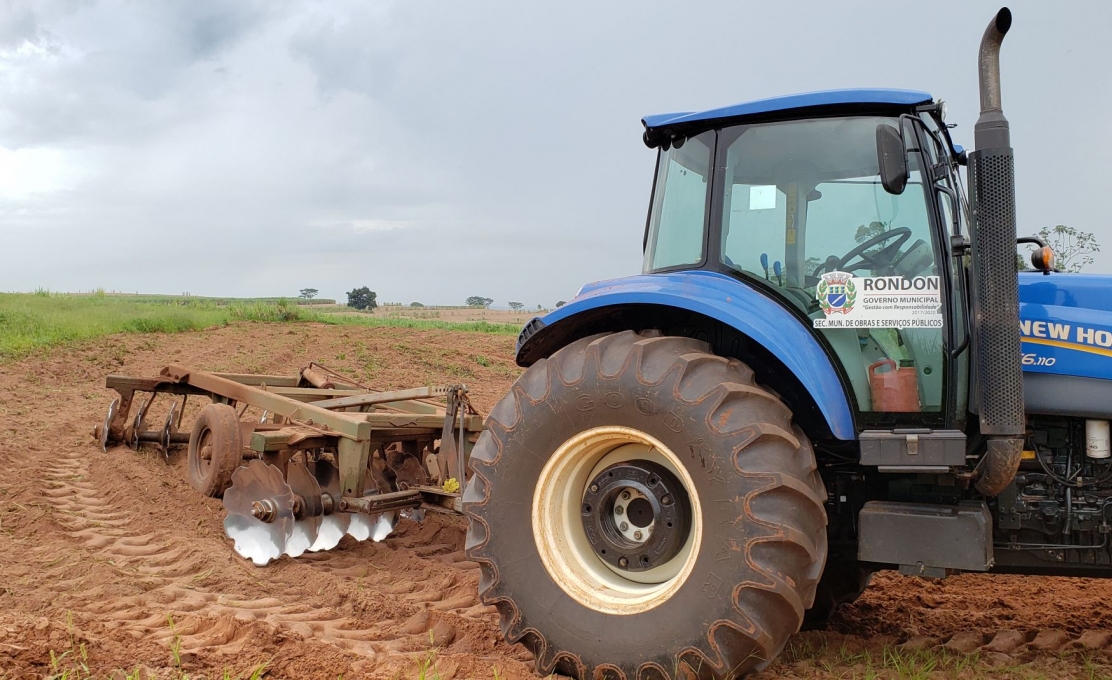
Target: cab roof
(851, 98)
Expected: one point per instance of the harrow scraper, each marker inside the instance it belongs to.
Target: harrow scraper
(302, 460)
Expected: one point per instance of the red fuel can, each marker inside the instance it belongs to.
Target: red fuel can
(895, 389)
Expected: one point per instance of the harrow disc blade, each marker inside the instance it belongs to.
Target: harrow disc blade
(360, 526)
(304, 535)
(375, 527)
(384, 526)
(260, 512)
(137, 424)
(102, 437)
(332, 529)
(167, 428)
(305, 530)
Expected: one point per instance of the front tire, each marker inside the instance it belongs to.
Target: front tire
(730, 512)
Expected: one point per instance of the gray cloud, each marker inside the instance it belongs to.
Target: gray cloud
(438, 150)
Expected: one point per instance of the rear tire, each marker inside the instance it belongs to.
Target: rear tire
(215, 449)
(756, 541)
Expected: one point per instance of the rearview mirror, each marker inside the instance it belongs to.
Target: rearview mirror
(891, 158)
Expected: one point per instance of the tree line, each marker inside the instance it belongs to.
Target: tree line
(367, 300)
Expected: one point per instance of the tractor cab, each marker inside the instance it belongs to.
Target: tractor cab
(787, 196)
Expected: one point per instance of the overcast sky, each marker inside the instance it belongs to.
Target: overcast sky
(435, 150)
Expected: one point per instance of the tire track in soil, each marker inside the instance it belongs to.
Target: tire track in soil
(115, 551)
(219, 623)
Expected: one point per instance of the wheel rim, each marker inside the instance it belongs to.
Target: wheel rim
(558, 515)
(203, 461)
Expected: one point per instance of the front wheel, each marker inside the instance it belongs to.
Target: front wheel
(640, 508)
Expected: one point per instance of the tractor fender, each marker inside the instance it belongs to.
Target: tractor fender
(611, 305)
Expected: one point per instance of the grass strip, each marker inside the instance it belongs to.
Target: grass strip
(30, 321)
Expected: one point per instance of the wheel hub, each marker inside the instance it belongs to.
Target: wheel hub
(636, 515)
(569, 539)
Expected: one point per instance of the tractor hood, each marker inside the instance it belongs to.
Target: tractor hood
(1066, 324)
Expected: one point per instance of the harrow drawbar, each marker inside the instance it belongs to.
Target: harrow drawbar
(320, 456)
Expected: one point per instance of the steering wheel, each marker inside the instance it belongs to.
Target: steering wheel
(884, 256)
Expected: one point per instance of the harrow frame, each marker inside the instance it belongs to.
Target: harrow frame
(370, 436)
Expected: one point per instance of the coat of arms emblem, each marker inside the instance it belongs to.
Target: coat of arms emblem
(836, 293)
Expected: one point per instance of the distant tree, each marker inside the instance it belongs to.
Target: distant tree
(868, 231)
(1073, 249)
(561, 303)
(516, 306)
(415, 304)
(309, 293)
(362, 298)
(479, 301)
(539, 308)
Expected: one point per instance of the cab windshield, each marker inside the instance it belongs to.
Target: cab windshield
(804, 198)
(799, 208)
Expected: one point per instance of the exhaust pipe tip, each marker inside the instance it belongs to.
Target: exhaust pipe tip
(991, 129)
(1003, 21)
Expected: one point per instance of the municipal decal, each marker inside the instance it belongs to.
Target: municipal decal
(849, 301)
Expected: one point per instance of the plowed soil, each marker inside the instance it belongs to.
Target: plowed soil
(112, 565)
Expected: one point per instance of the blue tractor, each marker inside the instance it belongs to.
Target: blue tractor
(830, 366)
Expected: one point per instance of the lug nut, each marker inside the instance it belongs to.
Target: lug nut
(637, 535)
(623, 526)
(594, 488)
(666, 500)
(618, 509)
(625, 495)
(622, 562)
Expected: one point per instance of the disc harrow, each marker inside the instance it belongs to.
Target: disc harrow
(327, 457)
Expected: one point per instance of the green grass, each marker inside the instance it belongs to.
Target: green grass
(173, 299)
(806, 656)
(29, 321)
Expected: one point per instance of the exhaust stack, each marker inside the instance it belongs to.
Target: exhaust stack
(996, 348)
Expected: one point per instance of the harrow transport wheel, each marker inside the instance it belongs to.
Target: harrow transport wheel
(641, 508)
(215, 449)
(841, 583)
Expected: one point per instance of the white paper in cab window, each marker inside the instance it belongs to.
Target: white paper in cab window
(762, 197)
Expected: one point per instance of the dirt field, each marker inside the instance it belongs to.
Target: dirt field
(112, 564)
